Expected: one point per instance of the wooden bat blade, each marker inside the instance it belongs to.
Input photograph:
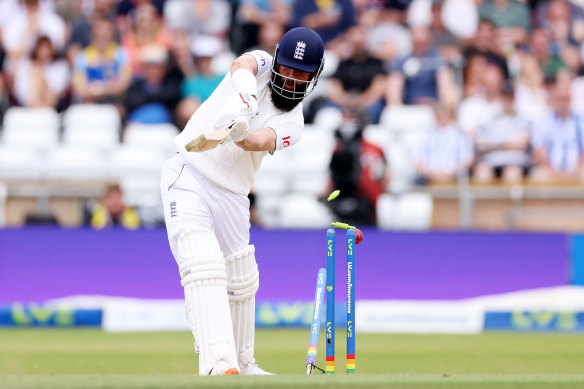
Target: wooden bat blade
(209, 141)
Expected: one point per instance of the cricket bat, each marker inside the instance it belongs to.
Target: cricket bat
(211, 140)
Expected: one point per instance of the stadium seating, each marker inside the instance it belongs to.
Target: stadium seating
(80, 116)
(74, 163)
(20, 163)
(132, 161)
(299, 210)
(406, 126)
(310, 161)
(407, 211)
(328, 118)
(91, 126)
(151, 136)
(33, 128)
(267, 208)
(272, 177)
(138, 171)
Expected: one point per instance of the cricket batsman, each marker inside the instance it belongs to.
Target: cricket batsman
(255, 110)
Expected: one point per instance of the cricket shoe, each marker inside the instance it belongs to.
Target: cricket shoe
(251, 368)
(221, 368)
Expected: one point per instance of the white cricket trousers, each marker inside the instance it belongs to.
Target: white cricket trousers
(190, 199)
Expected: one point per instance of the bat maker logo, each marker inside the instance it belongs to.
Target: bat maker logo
(299, 52)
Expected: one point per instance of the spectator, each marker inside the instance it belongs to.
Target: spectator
(126, 9)
(448, 43)
(253, 14)
(153, 96)
(198, 86)
(511, 17)
(359, 81)
(445, 151)
(475, 111)
(329, 18)
(473, 75)
(111, 211)
(486, 43)
(102, 71)
(563, 34)
(530, 94)
(9, 9)
(42, 79)
(368, 11)
(422, 77)
(268, 37)
(433, 14)
(146, 29)
(359, 170)
(561, 18)
(70, 10)
(558, 140)
(501, 145)
(181, 58)
(387, 38)
(198, 17)
(541, 47)
(21, 33)
(81, 28)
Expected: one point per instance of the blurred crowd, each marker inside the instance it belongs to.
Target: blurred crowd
(505, 78)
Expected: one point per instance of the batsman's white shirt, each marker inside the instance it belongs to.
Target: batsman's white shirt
(228, 165)
(210, 189)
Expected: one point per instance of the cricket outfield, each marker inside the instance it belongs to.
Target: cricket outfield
(94, 359)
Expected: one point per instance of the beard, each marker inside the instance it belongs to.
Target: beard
(283, 103)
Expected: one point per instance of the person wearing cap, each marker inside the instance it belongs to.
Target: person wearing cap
(205, 194)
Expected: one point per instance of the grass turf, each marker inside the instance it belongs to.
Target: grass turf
(94, 359)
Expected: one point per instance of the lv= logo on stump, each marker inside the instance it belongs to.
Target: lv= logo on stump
(354, 237)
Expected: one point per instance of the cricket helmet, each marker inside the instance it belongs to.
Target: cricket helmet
(301, 48)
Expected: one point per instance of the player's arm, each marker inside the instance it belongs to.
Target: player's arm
(243, 77)
(262, 140)
(275, 136)
(246, 62)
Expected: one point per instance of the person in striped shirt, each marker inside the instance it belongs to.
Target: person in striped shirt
(558, 139)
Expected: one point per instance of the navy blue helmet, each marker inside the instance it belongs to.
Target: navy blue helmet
(302, 49)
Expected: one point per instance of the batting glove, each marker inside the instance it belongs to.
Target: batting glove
(238, 106)
(248, 105)
(240, 129)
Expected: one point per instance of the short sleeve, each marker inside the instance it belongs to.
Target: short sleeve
(287, 134)
(263, 59)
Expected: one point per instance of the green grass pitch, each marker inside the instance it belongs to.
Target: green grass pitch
(94, 359)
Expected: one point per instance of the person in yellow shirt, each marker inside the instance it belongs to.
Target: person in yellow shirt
(112, 211)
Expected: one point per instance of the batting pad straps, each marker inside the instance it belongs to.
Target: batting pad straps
(243, 278)
(192, 271)
(244, 82)
(204, 278)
